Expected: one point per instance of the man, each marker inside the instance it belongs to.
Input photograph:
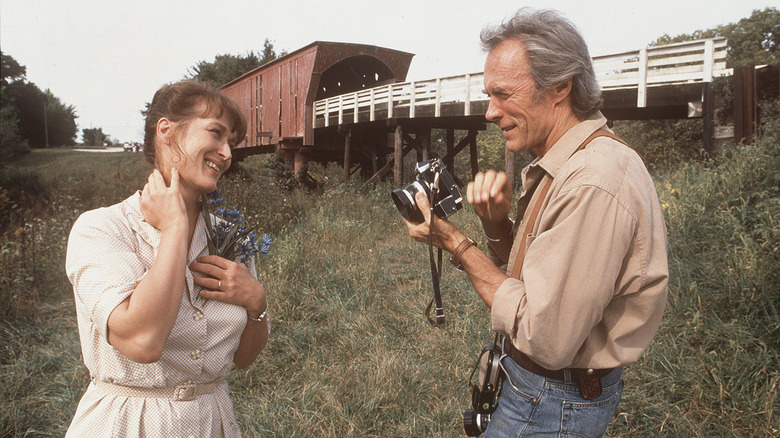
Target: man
(577, 283)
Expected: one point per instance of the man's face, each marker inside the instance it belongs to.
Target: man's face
(526, 122)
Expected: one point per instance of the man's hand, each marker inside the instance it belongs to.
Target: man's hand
(445, 235)
(491, 195)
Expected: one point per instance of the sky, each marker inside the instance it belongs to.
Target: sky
(108, 57)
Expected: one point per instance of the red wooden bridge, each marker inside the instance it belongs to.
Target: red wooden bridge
(350, 102)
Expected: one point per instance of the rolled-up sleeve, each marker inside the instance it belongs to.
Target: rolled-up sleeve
(103, 266)
(569, 275)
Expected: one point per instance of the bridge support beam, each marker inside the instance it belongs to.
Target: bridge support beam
(398, 163)
(347, 146)
(708, 116)
(298, 163)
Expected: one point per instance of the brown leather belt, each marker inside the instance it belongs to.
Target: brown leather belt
(589, 380)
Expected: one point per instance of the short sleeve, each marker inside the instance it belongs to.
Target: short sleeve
(103, 265)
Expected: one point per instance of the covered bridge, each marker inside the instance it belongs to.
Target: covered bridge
(278, 97)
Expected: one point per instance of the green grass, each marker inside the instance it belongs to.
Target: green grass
(350, 352)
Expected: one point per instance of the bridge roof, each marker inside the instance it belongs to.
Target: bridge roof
(328, 46)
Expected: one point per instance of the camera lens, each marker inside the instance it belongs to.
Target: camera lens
(404, 202)
(473, 423)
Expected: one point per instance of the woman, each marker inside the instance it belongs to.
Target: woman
(161, 322)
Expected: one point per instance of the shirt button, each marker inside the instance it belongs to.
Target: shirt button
(197, 315)
(195, 355)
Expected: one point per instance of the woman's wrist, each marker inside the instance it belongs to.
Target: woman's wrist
(258, 312)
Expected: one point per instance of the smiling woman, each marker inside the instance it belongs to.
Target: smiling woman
(160, 320)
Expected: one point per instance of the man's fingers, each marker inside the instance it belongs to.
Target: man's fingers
(487, 185)
(479, 178)
(498, 184)
(423, 205)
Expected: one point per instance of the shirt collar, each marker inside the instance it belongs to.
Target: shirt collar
(565, 147)
(152, 235)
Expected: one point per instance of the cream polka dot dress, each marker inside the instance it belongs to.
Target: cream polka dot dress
(109, 251)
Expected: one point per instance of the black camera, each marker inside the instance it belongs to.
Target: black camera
(431, 178)
(484, 393)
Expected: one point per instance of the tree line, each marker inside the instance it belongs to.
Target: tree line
(30, 117)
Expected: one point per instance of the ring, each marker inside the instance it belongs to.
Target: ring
(219, 284)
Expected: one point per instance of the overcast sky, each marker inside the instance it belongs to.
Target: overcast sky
(107, 57)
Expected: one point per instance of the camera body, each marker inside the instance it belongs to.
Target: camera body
(432, 178)
(484, 393)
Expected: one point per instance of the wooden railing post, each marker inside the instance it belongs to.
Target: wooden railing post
(327, 112)
(709, 59)
(341, 109)
(390, 101)
(412, 99)
(641, 91)
(437, 110)
(371, 110)
(467, 100)
(355, 109)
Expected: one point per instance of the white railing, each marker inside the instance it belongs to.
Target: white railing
(412, 95)
(689, 62)
(679, 63)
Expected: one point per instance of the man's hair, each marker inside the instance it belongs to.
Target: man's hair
(556, 53)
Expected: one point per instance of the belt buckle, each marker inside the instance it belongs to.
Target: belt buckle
(184, 392)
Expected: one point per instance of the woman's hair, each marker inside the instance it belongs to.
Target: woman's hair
(556, 52)
(184, 101)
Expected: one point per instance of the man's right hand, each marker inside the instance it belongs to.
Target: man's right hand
(491, 195)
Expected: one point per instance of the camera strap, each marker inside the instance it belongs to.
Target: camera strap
(435, 268)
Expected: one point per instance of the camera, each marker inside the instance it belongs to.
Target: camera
(484, 393)
(431, 178)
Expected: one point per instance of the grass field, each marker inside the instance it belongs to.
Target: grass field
(350, 353)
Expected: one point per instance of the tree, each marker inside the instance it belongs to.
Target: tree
(61, 121)
(227, 67)
(11, 142)
(93, 136)
(753, 40)
(10, 69)
(31, 116)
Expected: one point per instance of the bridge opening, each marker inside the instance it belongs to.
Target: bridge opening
(353, 74)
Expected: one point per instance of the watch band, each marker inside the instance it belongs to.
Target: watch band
(459, 250)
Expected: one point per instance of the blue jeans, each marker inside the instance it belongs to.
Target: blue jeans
(532, 405)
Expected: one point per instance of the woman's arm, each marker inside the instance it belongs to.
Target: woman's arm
(140, 325)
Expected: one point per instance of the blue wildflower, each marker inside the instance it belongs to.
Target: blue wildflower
(227, 236)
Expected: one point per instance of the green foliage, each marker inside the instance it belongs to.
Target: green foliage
(227, 67)
(10, 70)
(93, 136)
(753, 40)
(350, 348)
(31, 116)
(712, 370)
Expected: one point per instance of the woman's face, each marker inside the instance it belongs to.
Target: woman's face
(203, 153)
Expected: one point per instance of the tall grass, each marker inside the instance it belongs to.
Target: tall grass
(350, 352)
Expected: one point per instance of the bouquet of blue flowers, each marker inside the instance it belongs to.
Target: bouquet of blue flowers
(227, 233)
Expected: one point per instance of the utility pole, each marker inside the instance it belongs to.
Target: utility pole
(45, 121)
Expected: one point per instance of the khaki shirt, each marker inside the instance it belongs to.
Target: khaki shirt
(593, 284)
